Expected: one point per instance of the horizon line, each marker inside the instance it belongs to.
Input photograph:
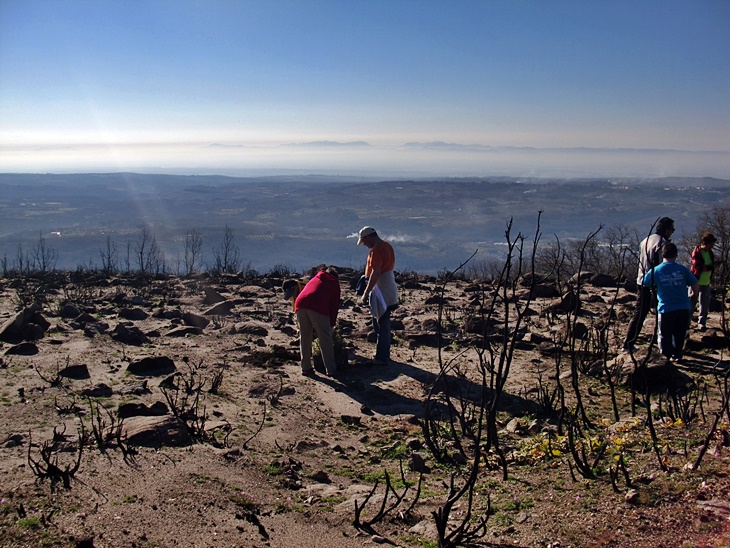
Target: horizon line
(356, 144)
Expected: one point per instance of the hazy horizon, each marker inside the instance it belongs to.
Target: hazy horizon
(411, 160)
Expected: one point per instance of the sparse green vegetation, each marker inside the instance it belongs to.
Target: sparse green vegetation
(29, 523)
(244, 501)
(274, 469)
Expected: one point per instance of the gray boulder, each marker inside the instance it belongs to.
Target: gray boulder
(25, 325)
(152, 366)
(194, 320)
(221, 309)
(156, 431)
(134, 314)
(129, 335)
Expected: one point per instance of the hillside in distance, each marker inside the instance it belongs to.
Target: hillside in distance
(301, 221)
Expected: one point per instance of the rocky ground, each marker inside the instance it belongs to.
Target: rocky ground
(172, 412)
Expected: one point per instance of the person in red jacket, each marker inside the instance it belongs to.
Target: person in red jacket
(316, 307)
(702, 266)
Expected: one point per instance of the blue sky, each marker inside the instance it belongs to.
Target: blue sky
(138, 84)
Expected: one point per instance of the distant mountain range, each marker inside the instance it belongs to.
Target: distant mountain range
(460, 147)
(336, 144)
(441, 145)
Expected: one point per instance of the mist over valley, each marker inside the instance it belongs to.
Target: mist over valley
(301, 221)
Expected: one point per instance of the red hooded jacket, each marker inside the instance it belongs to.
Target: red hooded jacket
(322, 295)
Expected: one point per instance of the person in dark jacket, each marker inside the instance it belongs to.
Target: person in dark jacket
(316, 308)
(650, 255)
(702, 266)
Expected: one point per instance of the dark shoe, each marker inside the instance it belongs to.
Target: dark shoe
(309, 373)
(378, 361)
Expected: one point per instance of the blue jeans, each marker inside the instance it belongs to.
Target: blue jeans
(382, 328)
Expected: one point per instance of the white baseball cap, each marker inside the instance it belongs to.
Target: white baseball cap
(364, 233)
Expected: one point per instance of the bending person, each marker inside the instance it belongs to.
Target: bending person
(316, 307)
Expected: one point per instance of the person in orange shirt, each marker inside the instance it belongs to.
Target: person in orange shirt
(381, 280)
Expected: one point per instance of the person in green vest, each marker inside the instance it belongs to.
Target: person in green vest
(703, 265)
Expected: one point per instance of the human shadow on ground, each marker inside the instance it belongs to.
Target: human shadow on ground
(371, 386)
(702, 364)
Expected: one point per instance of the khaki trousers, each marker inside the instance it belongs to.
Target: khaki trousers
(309, 323)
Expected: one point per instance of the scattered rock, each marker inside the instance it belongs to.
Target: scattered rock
(579, 331)
(657, 373)
(183, 332)
(309, 445)
(321, 476)
(212, 296)
(350, 420)
(425, 529)
(16, 329)
(153, 366)
(133, 314)
(69, 311)
(153, 431)
(479, 324)
(100, 390)
(220, 309)
(194, 320)
(134, 388)
(94, 328)
(631, 496)
(416, 463)
(425, 339)
(414, 444)
(13, 440)
(257, 329)
(22, 349)
(76, 372)
(545, 291)
(82, 319)
(127, 410)
(602, 280)
(569, 302)
(168, 314)
(288, 330)
(128, 335)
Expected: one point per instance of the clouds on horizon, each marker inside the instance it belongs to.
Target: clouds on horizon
(412, 159)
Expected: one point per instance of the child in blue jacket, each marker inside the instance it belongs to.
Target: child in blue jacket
(671, 281)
